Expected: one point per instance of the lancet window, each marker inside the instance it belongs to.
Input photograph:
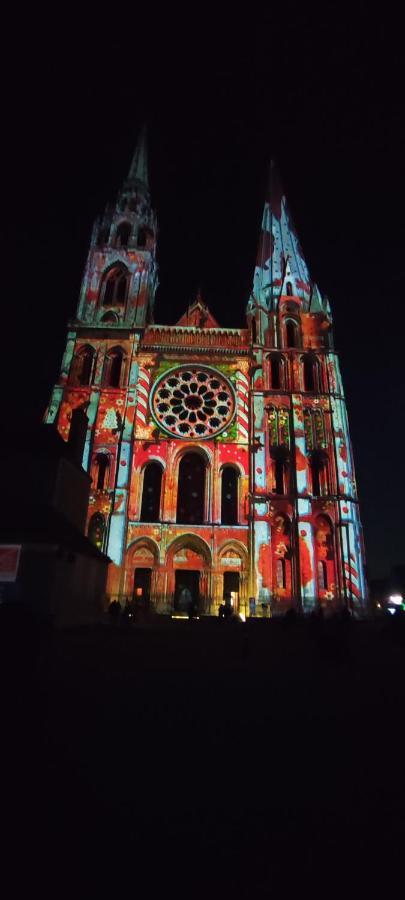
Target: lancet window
(314, 427)
(114, 288)
(279, 427)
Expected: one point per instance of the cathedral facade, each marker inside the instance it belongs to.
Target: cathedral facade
(220, 458)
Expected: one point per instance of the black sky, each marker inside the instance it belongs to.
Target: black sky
(324, 96)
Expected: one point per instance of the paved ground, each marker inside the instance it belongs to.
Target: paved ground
(225, 760)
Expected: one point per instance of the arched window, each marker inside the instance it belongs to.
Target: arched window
(310, 370)
(101, 470)
(276, 372)
(152, 485)
(314, 428)
(280, 470)
(110, 318)
(322, 575)
(96, 530)
(191, 490)
(279, 427)
(115, 286)
(289, 289)
(113, 368)
(82, 367)
(279, 476)
(319, 474)
(103, 236)
(229, 496)
(254, 330)
(291, 331)
(123, 234)
(280, 573)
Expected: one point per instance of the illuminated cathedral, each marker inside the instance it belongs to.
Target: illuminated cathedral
(220, 458)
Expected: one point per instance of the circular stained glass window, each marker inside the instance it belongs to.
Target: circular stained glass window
(193, 402)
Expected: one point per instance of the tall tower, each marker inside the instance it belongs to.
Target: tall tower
(99, 369)
(305, 538)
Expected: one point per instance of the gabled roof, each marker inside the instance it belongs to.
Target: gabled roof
(198, 316)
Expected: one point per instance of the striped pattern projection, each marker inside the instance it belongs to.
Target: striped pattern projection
(242, 386)
(352, 577)
(142, 390)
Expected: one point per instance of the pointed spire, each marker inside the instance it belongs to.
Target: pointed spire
(279, 259)
(139, 166)
(316, 304)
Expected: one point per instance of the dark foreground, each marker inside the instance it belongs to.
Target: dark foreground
(204, 759)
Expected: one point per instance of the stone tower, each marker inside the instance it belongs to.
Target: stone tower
(305, 544)
(99, 369)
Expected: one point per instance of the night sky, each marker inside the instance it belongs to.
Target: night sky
(324, 97)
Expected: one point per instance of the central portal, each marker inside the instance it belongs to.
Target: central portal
(187, 589)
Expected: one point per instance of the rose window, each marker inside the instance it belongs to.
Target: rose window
(193, 402)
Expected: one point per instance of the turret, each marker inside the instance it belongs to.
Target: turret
(120, 278)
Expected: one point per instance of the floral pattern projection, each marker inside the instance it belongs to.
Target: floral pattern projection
(220, 458)
(192, 411)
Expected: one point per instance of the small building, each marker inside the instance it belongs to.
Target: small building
(60, 575)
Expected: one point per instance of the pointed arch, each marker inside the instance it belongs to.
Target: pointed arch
(277, 371)
(123, 234)
(235, 546)
(291, 333)
(103, 236)
(319, 469)
(114, 368)
(82, 366)
(146, 543)
(190, 541)
(114, 286)
(100, 471)
(191, 489)
(280, 473)
(310, 372)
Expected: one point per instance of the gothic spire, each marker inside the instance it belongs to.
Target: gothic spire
(280, 260)
(139, 166)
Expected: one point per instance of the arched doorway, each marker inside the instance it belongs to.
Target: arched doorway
(233, 577)
(188, 564)
(141, 572)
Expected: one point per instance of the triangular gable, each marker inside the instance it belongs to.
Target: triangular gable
(198, 316)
